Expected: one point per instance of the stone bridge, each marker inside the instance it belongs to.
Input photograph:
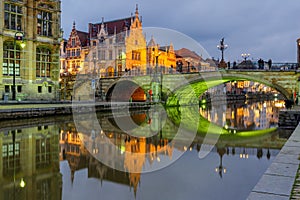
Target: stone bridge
(136, 87)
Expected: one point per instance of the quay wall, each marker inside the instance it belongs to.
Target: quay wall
(289, 119)
(65, 109)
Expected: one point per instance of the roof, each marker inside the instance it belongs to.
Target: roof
(184, 53)
(111, 27)
(83, 37)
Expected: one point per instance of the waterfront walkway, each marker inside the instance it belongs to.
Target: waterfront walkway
(281, 181)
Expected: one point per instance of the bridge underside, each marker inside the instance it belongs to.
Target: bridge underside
(125, 91)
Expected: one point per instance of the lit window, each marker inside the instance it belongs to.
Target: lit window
(43, 62)
(9, 59)
(44, 23)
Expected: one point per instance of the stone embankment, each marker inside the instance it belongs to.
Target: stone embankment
(289, 118)
(16, 111)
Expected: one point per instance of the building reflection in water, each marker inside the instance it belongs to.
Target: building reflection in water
(31, 154)
(30, 163)
(241, 116)
(134, 153)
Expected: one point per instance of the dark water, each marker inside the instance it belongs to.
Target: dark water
(57, 160)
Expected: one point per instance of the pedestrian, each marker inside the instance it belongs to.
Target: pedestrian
(270, 63)
(234, 65)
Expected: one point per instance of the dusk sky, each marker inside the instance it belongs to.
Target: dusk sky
(266, 29)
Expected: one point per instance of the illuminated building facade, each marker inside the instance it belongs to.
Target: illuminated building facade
(30, 34)
(117, 46)
(164, 57)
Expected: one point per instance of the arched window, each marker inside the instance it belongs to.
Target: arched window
(43, 62)
(11, 57)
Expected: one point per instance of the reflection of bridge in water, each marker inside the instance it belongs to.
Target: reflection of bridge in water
(31, 133)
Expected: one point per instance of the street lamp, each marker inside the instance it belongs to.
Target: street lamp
(156, 85)
(18, 37)
(245, 55)
(222, 48)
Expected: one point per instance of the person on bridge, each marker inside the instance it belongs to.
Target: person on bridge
(270, 63)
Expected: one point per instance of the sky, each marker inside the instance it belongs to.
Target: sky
(266, 29)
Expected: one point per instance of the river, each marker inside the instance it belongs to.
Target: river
(206, 152)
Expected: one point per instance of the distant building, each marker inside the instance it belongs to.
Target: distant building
(190, 61)
(35, 68)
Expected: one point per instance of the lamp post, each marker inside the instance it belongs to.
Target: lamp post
(156, 85)
(245, 55)
(18, 37)
(222, 48)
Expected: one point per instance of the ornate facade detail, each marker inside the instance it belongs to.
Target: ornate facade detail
(36, 54)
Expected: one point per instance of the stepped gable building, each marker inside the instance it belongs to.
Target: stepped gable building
(163, 56)
(73, 51)
(30, 38)
(117, 46)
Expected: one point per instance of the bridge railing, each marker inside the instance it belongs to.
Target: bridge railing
(146, 72)
(277, 66)
(163, 70)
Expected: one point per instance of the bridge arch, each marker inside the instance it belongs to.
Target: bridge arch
(201, 83)
(125, 90)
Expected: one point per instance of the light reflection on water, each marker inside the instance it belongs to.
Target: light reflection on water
(55, 164)
(244, 116)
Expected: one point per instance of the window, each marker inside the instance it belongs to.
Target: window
(12, 16)
(101, 54)
(77, 52)
(9, 59)
(43, 62)
(19, 88)
(49, 89)
(68, 53)
(6, 88)
(44, 23)
(39, 89)
(11, 158)
(73, 42)
(73, 52)
(110, 55)
(42, 157)
(136, 55)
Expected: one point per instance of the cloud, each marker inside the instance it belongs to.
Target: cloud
(266, 28)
